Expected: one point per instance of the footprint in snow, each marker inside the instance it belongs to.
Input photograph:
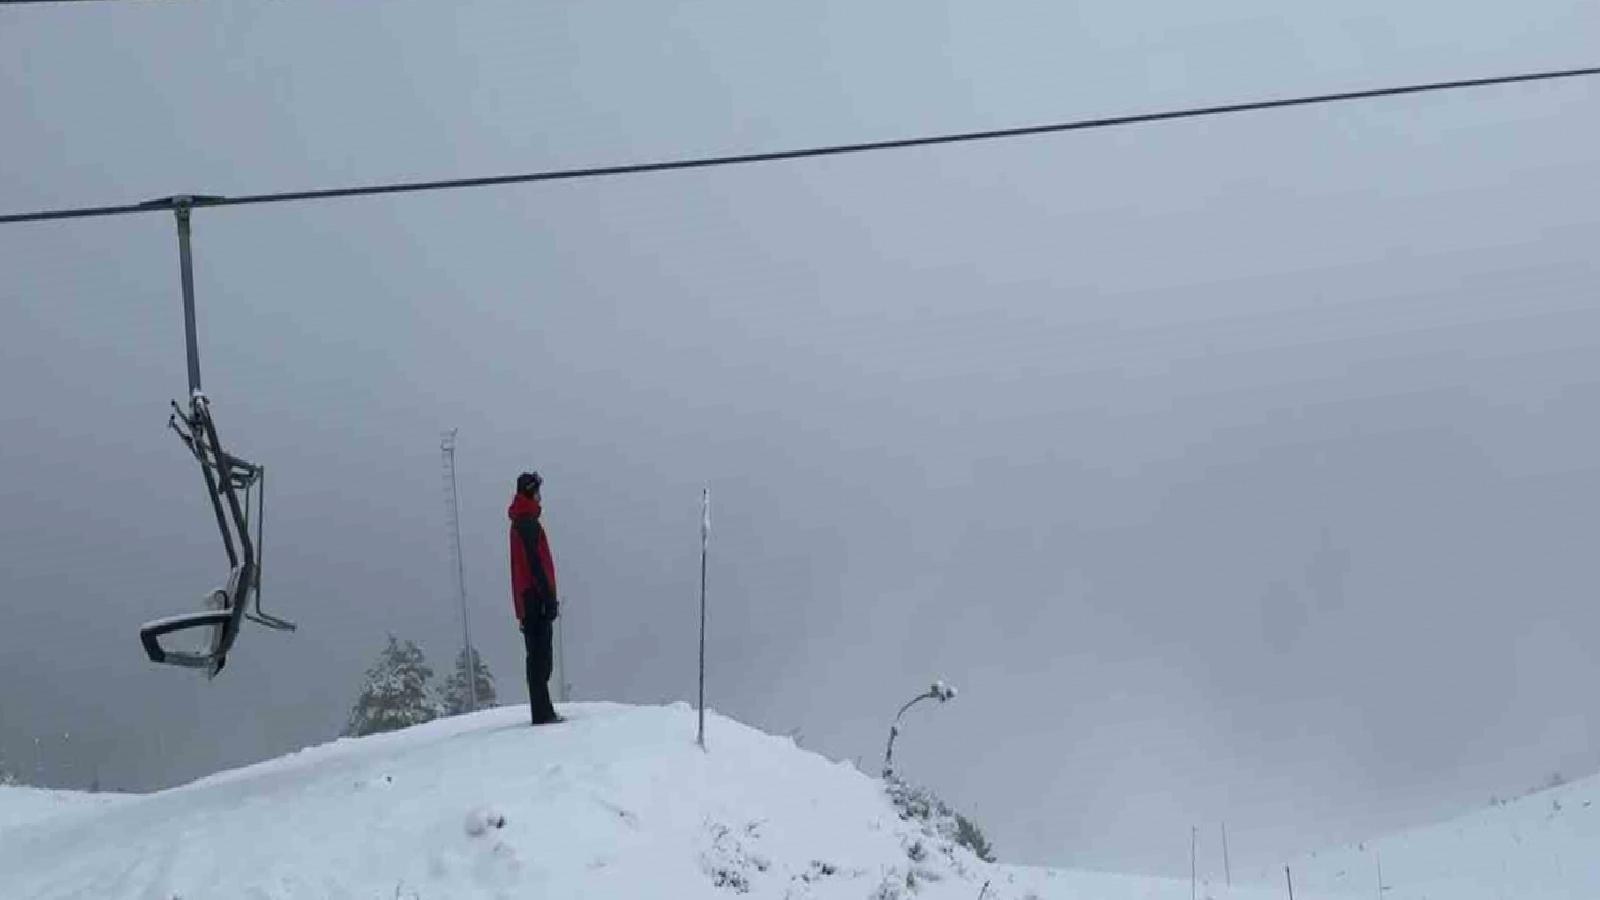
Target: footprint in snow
(627, 816)
(383, 781)
(481, 820)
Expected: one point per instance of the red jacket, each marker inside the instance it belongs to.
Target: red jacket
(533, 572)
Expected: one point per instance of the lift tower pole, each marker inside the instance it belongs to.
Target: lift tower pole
(452, 510)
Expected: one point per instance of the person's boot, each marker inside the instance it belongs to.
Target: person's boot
(547, 716)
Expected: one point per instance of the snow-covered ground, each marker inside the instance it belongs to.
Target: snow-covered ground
(21, 807)
(618, 802)
(1544, 845)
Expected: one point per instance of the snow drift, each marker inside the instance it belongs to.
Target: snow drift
(1543, 845)
(617, 802)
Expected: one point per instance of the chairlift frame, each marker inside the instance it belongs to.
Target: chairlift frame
(236, 488)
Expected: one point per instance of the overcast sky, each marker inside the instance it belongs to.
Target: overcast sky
(1236, 470)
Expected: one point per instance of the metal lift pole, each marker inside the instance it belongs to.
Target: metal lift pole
(186, 273)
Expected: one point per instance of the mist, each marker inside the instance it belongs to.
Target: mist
(1237, 470)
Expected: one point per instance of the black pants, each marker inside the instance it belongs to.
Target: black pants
(537, 639)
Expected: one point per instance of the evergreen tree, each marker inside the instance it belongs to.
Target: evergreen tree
(457, 699)
(396, 693)
(969, 835)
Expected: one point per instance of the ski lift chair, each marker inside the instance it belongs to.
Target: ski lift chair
(236, 488)
(233, 485)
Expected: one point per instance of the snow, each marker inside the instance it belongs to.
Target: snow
(1540, 846)
(616, 802)
(21, 807)
(619, 802)
(1068, 884)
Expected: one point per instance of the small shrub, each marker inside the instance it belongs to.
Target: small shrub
(922, 805)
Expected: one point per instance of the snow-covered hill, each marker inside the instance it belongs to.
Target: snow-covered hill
(21, 807)
(1544, 845)
(618, 802)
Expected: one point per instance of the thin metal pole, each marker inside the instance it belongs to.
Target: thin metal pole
(1194, 835)
(1290, 880)
(894, 731)
(705, 540)
(186, 274)
(1227, 870)
(563, 687)
(448, 445)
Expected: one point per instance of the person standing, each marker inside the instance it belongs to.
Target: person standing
(533, 592)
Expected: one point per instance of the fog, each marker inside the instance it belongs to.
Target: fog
(1238, 470)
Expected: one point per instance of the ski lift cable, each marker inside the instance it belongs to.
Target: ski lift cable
(167, 204)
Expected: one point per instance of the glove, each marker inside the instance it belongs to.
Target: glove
(551, 609)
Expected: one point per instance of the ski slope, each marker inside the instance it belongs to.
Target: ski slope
(619, 802)
(1543, 845)
(21, 807)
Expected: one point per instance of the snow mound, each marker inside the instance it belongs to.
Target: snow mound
(25, 806)
(616, 802)
(1541, 845)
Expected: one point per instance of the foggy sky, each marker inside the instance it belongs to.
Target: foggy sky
(1235, 470)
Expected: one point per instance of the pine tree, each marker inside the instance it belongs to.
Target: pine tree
(457, 699)
(969, 835)
(396, 693)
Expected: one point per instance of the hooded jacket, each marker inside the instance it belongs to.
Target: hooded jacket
(533, 571)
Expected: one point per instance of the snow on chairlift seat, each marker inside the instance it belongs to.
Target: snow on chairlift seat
(216, 615)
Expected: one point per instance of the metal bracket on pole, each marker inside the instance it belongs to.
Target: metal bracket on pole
(186, 274)
(181, 205)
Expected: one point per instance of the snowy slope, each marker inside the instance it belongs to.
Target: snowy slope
(21, 807)
(1051, 884)
(617, 802)
(1545, 845)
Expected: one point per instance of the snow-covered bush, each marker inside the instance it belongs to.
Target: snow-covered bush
(923, 805)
